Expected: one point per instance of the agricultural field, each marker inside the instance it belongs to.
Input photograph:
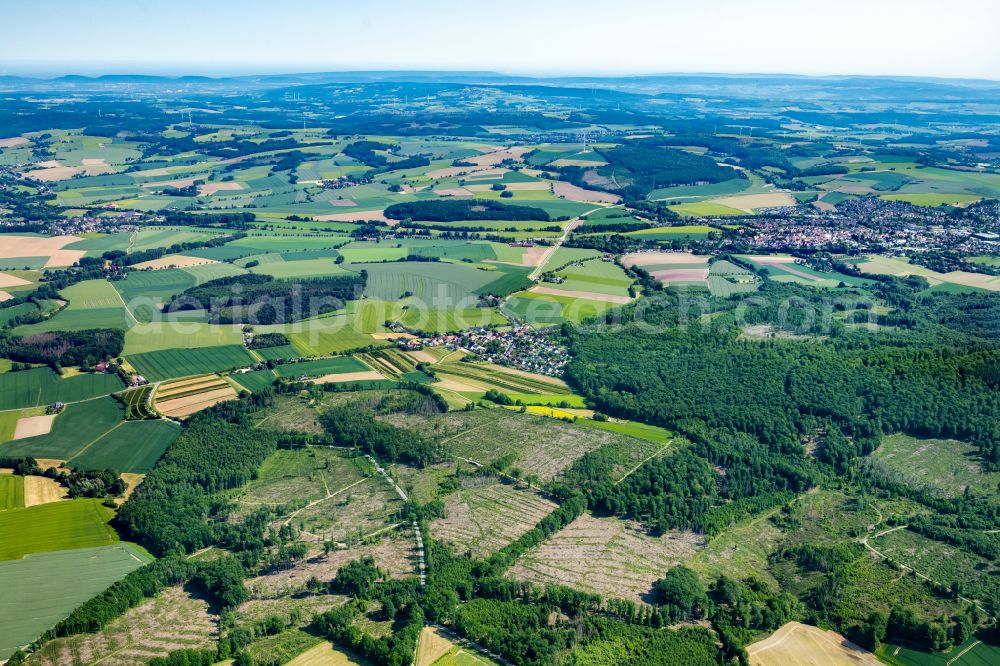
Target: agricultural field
(11, 492)
(92, 304)
(42, 386)
(881, 265)
(43, 588)
(180, 398)
(79, 523)
(793, 641)
(171, 363)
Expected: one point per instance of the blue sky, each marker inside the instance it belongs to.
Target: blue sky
(907, 37)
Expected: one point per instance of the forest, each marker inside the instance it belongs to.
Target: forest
(456, 210)
(261, 299)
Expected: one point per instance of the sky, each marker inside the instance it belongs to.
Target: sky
(953, 38)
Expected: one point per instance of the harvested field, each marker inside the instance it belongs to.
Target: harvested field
(187, 385)
(394, 555)
(796, 644)
(751, 202)
(369, 375)
(160, 184)
(172, 620)
(461, 387)
(188, 405)
(432, 646)
(658, 258)
(451, 172)
(366, 215)
(531, 256)
(588, 295)
(586, 164)
(32, 426)
(454, 192)
(13, 142)
(892, 266)
(211, 188)
(325, 654)
(575, 193)
(681, 275)
(8, 280)
(485, 518)
(174, 261)
(132, 482)
(5, 296)
(422, 357)
(93, 161)
(53, 174)
(42, 246)
(42, 490)
(496, 157)
(606, 555)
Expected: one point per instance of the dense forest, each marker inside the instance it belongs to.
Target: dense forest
(636, 169)
(260, 299)
(456, 210)
(65, 348)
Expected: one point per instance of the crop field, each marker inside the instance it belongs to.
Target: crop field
(449, 320)
(327, 366)
(486, 516)
(488, 375)
(136, 402)
(324, 336)
(42, 386)
(796, 643)
(435, 285)
(550, 309)
(11, 492)
(881, 265)
(256, 380)
(942, 466)
(160, 336)
(43, 588)
(79, 523)
(171, 363)
(325, 654)
(9, 420)
(608, 556)
(78, 426)
(92, 304)
(172, 620)
(132, 447)
(179, 399)
(435, 648)
(973, 652)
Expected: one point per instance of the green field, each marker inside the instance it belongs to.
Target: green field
(11, 492)
(132, 446)
(160, 336)
(78, 426)
(171, 363)
(549, 309)
(63, 525)
(41, 589)
(257, 380)
(327, 366)
(42, 386)
(92, 304)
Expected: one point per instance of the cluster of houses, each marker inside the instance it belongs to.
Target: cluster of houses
(520, 347)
